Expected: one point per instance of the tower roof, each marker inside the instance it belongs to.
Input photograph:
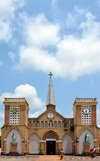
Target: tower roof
(50, 96)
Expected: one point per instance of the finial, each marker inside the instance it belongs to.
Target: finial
(50, 74)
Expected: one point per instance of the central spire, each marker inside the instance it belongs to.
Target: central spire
(50, 96)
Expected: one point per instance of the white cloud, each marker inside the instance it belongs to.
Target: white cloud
(7, 14)
(38, 59)
(27, 91)
(75, 55)
(39, 31)
(8, 7)
(5, 31)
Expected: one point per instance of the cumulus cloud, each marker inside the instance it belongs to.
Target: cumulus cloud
(7, 14)
(39, 31)
(27, 91)
(34, 58)
(74, 55)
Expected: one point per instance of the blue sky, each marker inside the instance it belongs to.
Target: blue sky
(42, 36)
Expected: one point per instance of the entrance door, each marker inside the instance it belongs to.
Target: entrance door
(51, 147)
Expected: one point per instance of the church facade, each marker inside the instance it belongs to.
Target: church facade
(49, 132)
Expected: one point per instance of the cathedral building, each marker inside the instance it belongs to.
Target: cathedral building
(49, 132)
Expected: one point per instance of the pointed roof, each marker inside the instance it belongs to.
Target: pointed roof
(50, 96)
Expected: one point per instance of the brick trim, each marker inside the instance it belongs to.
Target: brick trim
(33, 134)
(15, 129)
(79, 133)
(50, 132)
(67, 133)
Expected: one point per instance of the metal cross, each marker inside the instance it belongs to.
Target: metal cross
(50, 74)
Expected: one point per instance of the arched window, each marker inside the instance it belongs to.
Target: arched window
(42, 123)
(34, 124)
(29, 123)
(46, 124)
(55, 123)
(59, 124)
(38, 124)
(63, 124)
(67, 124)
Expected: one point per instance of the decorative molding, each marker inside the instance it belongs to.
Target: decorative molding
(42, 141)
(86, 99)
(59, 141)
(51, 139)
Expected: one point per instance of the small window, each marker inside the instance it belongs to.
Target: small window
(46, 124)
(55, 123)
(29, 123)
(63, 124)
(38, 124)
(34, 124)
(59, 124)
(42, 123)
(67, 124)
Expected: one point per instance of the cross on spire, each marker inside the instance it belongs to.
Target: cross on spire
(50, 74)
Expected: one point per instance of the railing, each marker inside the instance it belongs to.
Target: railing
(86, 99)
(15, 99)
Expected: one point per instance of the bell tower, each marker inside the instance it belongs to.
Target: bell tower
(50, 97)
(16, 111)
(84, 110)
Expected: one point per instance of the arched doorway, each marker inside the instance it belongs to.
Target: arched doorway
(82, 140)
(34, 144)
(18, 141)
(51, 145)
(53, 137)
(67, 144)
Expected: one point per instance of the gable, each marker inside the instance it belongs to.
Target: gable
(50, 114)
